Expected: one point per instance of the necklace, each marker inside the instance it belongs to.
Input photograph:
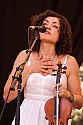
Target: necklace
(53, 57)
(51, 62)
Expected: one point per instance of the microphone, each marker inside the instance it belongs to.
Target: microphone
(41, 29)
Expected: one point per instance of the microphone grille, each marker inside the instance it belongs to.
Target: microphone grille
(42, 29)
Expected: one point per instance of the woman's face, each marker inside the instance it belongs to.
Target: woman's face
(52, 25)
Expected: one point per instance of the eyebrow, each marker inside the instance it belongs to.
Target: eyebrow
(53, 22)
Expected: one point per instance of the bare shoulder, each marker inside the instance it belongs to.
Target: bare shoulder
(33, 56)
(71, 61)
(20, 58)
(72, 64)
(22, 54)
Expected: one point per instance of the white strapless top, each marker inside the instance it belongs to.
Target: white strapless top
(41, 87)
(37, 91)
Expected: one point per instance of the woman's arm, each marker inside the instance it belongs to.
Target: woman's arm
(74, 82)
(73, 92)
(13, 94)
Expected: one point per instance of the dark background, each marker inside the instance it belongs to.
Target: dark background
(14, 16)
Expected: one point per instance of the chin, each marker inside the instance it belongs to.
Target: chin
(45, 38)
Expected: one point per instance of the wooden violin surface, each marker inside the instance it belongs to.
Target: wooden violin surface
(65, 111)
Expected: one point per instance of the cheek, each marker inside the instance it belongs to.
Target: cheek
(55, 37)
(44, 36)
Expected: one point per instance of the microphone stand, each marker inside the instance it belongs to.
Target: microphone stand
(17, 118)
(18, 77)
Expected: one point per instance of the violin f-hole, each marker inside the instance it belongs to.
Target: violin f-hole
(61, 123)
(52, 123)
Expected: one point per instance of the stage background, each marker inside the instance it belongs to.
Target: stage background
(14, 16)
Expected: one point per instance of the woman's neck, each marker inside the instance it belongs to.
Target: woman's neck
(47, 50)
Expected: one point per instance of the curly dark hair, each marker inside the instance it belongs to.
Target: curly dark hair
(64, 45)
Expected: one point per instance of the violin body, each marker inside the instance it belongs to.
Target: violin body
(65, 111)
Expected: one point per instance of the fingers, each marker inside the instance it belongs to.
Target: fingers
(61, 90)
(47, 64)
(46, 67)
(46, 59)
(46, 71)
(40, 57)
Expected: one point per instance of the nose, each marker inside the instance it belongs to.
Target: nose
(48, 27)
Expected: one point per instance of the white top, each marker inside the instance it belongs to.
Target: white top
(41, 87)
(37, 91)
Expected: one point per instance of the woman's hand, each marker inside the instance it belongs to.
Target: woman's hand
(63, 92)
(40, 65)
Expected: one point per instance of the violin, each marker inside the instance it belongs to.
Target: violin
(58, 109)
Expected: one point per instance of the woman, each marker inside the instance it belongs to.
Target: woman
(39, 85)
